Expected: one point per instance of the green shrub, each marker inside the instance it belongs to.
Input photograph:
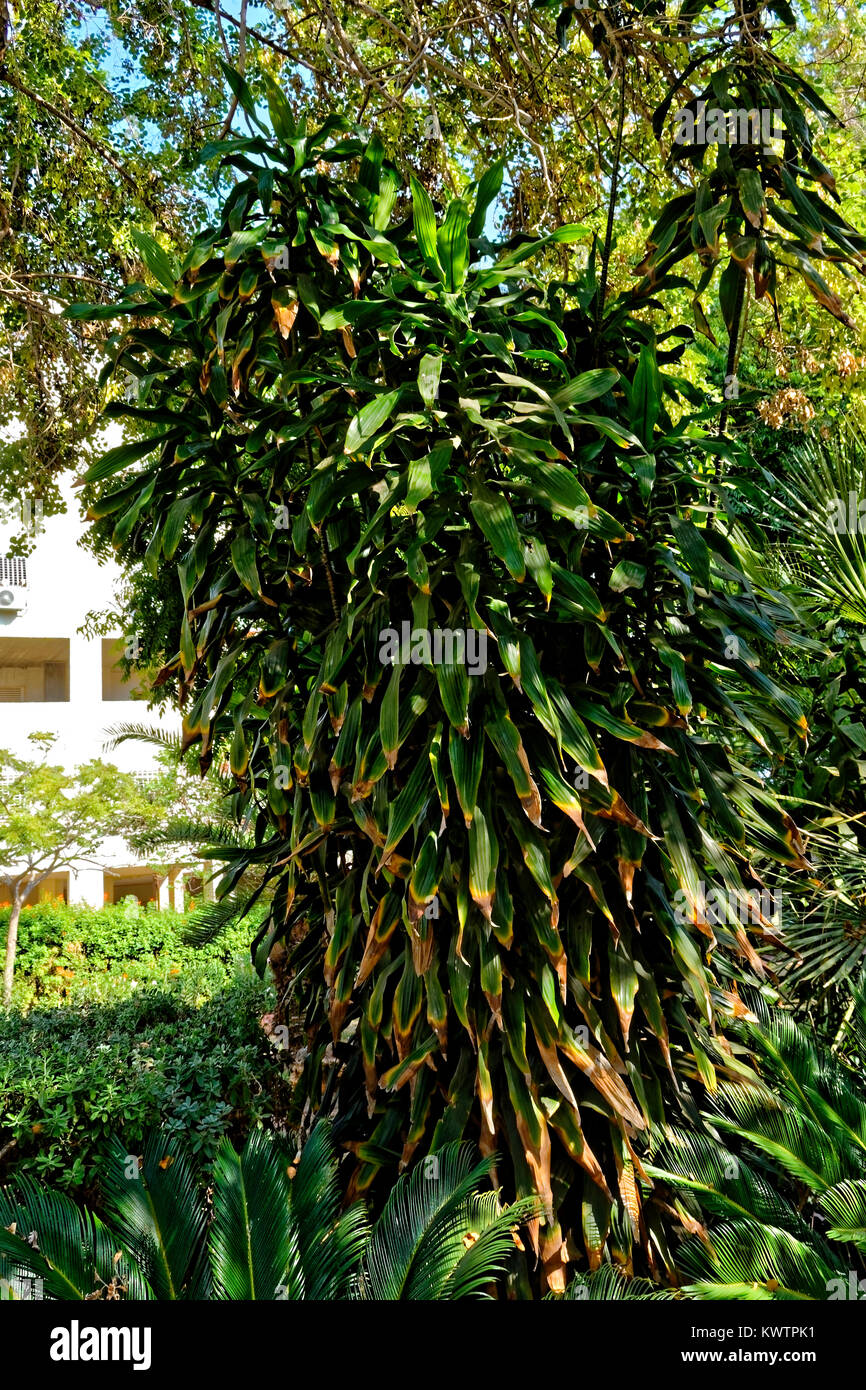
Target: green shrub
(83, 955)
(71, 1076)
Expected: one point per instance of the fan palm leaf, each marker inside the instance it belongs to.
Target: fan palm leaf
(829, 548)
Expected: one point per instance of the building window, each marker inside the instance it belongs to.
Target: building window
(34, 670)
(113, 685)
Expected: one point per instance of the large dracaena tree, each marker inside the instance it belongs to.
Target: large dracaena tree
(355, 423)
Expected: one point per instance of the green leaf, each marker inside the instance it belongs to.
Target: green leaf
(646, 396)
(370, 420)
(466, 756)
(424, 220)
(243, 552)
(751, 192)
(452, 244)
(488, 190)
(628, 575)
(114, 460)
(429, 371)
(155, 258)
(495, 518)
(587, 387)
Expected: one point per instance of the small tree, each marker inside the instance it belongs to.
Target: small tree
(375, 435)
(49, 816)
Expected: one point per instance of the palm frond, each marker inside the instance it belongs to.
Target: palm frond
(487, 1247)
(723, 1183)
(250, 1240)
(610, 1284)
(154, 1203)
(211, 836)
(420, 1231)
(76, 1256)
(142, 733)
(210, 920)
(845, 1205)
(813, 495)
(330, 1243)
(785, 1133)
(747, 1260)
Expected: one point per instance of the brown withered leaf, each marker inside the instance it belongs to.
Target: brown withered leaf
(284, 317)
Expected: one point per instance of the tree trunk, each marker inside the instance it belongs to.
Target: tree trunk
(11, 944)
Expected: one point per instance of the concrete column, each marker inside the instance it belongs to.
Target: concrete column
(85, 671)
(164, 892)
(176, 878)
(86, 885)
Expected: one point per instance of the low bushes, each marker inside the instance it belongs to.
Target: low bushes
(70, 1077)
(118, 1026)
(83, 955)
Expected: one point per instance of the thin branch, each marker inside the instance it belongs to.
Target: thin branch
(218, 12)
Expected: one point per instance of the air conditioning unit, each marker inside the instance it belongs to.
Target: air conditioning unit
(13, 599)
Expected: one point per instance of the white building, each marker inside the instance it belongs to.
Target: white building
(53, 679)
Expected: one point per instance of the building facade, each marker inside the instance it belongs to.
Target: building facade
(53, 679)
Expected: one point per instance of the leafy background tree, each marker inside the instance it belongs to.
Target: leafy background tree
(50, 816)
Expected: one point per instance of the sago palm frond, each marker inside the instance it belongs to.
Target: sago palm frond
(263, 1236)
(722, 1183)
(784, 1133)
(45, 1235)
(845, 1205)
(421, 1236)
(748, 1260)
(330, 1243)
(212, 836)
(152, 1200)
(209, 920)
(610, 1284)
(252, 1244)
(485, 1248)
